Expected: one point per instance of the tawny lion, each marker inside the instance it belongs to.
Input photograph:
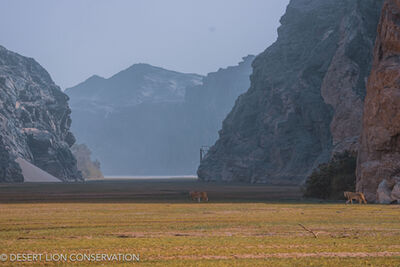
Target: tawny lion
(198, 196)
(355, 196)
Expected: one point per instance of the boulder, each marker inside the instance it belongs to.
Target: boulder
(384, 193)
(395, 195)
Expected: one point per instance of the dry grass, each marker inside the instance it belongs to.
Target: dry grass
(207, 234)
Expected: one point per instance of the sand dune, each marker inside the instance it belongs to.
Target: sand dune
(33, 174)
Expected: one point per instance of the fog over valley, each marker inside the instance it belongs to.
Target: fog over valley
(200, 132)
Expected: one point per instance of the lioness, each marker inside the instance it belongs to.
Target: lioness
(198, 196)
(355, 196)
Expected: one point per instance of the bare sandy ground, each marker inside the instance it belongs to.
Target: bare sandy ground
(33, 174)
(144, 190)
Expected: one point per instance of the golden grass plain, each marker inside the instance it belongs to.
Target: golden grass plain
(170, 230)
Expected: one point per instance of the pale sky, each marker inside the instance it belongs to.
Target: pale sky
(74, 39)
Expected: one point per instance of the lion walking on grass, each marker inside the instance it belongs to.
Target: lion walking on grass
(199, 196)
(355, 196)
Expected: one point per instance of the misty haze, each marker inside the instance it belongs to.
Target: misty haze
(200, 133)
(146, 86)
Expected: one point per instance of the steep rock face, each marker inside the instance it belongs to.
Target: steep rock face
(208, 104)
(344, 84)
(305, 99)
(379, 154)
(157, 136)
(34, 119)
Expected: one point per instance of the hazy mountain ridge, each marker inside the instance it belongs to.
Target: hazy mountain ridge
(140, 83)
(159, 135)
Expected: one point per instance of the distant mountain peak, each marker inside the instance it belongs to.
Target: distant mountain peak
(139, 83)
(143, 66)
(148, 67)
(95, 78)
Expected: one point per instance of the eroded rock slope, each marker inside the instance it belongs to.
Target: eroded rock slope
(34, 119)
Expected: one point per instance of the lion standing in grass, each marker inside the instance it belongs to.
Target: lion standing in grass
(355, 196)
(198, 196)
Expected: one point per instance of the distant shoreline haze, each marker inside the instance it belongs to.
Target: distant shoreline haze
(148, 176)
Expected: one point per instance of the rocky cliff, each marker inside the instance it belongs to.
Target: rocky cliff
(379, 154)
(34, 119)
(306, 95)
(208, 104)
(151, 121)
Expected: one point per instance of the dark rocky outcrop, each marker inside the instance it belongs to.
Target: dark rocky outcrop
(305, 99)
(379, 154)
(34, 119)
(159, 134)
